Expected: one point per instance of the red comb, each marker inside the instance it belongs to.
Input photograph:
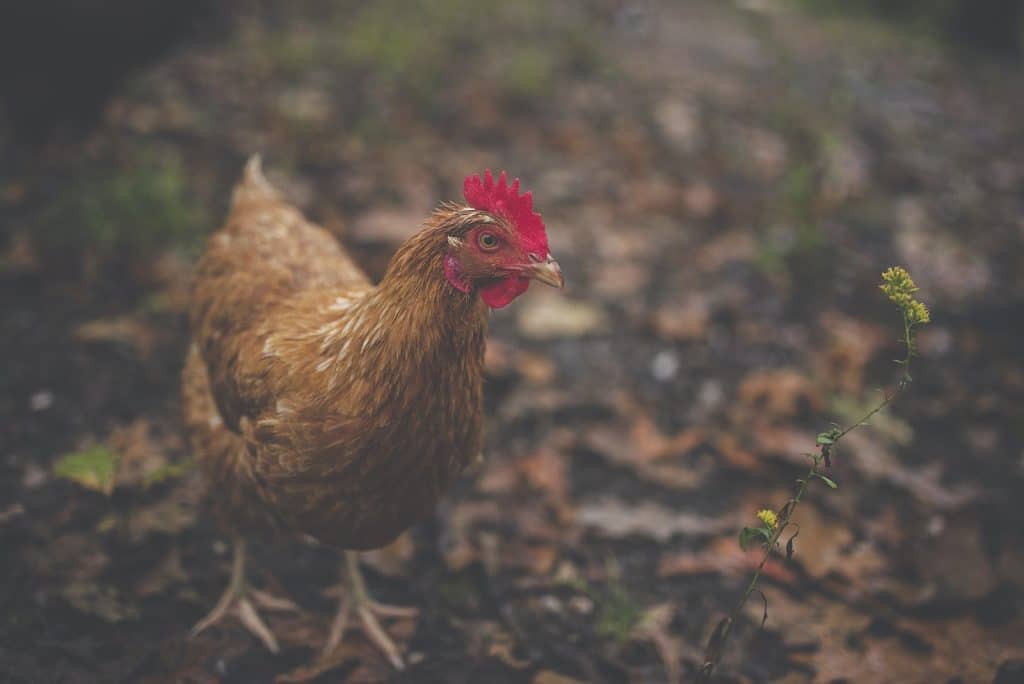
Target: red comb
(504, 199)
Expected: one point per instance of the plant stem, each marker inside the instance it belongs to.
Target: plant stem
(722, 632)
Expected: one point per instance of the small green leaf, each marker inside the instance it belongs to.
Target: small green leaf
(827, 480)
(828, 437)
(93, 468)
(748, 535)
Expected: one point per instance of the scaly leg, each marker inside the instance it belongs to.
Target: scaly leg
(355, 598)
(236, 601)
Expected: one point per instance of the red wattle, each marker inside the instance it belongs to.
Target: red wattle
(500, 293)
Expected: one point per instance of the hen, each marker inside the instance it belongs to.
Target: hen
(321, 404)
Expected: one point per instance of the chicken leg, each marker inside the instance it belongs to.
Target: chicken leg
(356, 599)
(236, 601)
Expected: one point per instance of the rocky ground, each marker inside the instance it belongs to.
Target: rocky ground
(723, 183)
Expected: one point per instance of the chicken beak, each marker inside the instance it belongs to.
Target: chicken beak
(547, 272)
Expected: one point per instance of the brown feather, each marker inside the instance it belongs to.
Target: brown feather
(312, 397)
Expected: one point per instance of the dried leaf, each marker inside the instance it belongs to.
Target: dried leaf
(615, 518)
(781, 393)
(684, 321)
(544, 316)
(170, 515)
(870, 457)
(128, 330)
(552, 677)
(102, 601)
(656, 626)
(722, 556)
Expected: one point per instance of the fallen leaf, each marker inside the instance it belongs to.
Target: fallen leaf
(169, 515)
(11, 512)
(780, 393)
(551, 316)
(345, 653)
(729, 247)
(456, 541)
(128, 330)
(652, 455)
(615, 518)
(552, 677)
(94, 468)
(870, 457)
(100, 600)
(683, 321)
(722, 556)
(656, 626)
(850, 347)
(167, 572)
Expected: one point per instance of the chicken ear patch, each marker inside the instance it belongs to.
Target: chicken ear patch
(503, 199)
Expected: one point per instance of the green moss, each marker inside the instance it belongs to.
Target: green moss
(618, 613)
(418, 59)
(140, 207)
(529, 73)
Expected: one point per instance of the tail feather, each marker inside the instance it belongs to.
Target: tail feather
(253, 186)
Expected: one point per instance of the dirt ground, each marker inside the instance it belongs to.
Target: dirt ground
(722, 182)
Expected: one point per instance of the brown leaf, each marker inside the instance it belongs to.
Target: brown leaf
(103, 601)
(653, 456)
(870, 457)
(552, 677)
(780, 393)
(729, 247)
(852, 344)
(166, 573)
(459, 549)
(547, 316)
(128, 330)
(684, 321)
(722, 556)
(346, 652)
(656, 626)
(169, 515)
(615, 518)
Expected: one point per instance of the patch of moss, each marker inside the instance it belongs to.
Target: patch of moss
(135, 208)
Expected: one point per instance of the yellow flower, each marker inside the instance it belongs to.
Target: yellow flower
(768, 518)
(918, 313)
(899, 287)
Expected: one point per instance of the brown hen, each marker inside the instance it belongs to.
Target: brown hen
(320, 404)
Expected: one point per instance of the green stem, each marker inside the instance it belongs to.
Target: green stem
(792, 504)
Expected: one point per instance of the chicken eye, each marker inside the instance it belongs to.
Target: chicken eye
(488, 241)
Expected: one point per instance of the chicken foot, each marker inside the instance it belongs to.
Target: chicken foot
(238, 600)
(356, 599)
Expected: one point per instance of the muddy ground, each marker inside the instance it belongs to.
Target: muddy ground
(722, 184)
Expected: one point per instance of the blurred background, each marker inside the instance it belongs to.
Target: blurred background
(723, 183)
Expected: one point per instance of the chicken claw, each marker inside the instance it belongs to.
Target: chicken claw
(367, 610)
(237, 600)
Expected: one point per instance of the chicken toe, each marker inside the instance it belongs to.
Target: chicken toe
(238, 601)
(356, 602)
